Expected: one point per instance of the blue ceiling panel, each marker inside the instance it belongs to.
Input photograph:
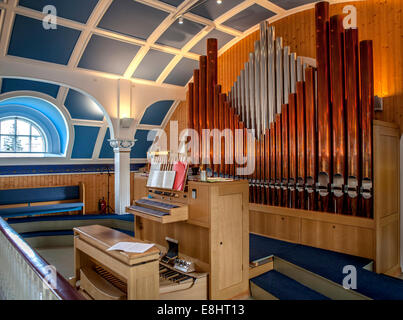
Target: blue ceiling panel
(222, 37)
(78, 10)
(140, 149)
(108, 55)
(84, 142)
(9, 85)
(177, 35)
(175, 3)
(212, 10)
(106, 149)
(30, 40)
(156, 113)
(289, 4)
(82, 107)
(182, 72)
(132, 18)
(152, 65)
(249, 18)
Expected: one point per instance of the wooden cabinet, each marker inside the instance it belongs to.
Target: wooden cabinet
(215, 236)
(337, 237)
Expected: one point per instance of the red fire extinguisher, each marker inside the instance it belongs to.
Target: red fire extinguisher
(102, 206)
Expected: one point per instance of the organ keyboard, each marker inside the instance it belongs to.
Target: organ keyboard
(160, 208)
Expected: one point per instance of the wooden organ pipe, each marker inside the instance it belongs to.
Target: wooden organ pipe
(367, 109)
(292, 124)
(285, 161)
(338, 112)
(196, 95)
(311, 140)
(352, 112)
(301, 146)
(202, 107)
(324, 116)
(190, 104)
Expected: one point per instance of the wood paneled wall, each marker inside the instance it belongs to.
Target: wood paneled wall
(180, 115)
(378, 20)
(96, 185)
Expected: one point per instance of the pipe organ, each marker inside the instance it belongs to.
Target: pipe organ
(306, 128)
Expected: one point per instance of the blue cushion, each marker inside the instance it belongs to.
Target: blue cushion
(124, 217)
(33, 210)
(31, 195)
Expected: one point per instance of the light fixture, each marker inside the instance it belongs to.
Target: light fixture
(180, 20)
(219, 1)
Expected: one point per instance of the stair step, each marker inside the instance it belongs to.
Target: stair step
(285, 288)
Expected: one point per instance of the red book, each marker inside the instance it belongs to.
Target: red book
(181, 170)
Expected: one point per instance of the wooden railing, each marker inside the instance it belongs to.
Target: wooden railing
(25, 275)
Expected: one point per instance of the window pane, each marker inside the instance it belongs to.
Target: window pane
(22, 144)
(8, 126)
(35, 132)
(7, 143)
(23, 128)
(37, 145)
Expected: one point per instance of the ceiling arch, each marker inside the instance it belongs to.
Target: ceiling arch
(135, 39)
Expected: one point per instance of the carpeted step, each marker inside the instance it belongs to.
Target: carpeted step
(285, 288)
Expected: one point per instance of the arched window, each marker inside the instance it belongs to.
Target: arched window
(20, 135)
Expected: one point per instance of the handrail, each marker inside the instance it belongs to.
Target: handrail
(63, 291)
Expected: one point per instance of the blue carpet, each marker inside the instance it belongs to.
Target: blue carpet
(285, 288)
(329, 264)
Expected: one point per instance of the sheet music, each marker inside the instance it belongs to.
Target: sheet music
(131, 247)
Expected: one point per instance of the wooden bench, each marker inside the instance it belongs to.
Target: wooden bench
(38, 201)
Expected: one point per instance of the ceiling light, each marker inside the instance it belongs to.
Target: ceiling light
(180, 20)
(219, 1)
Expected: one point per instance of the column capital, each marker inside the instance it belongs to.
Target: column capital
(122, 145)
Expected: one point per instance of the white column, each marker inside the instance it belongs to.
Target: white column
(122, 150)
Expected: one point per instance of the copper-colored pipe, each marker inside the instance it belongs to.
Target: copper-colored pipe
(338, 113)
(202, 106)
(279, 158)
(267, 165)
(217, 92)
(190, 105)
(227, 126)
(292, 115)
(232, 127)
(236, 146)
(311, 139)
(301, 145)
(212, 52)
(222, 127)
(353, 116)
(262, 170)
(324, 116)
(285, 154)
(367, 109)
(196, 93)
(273, 167)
